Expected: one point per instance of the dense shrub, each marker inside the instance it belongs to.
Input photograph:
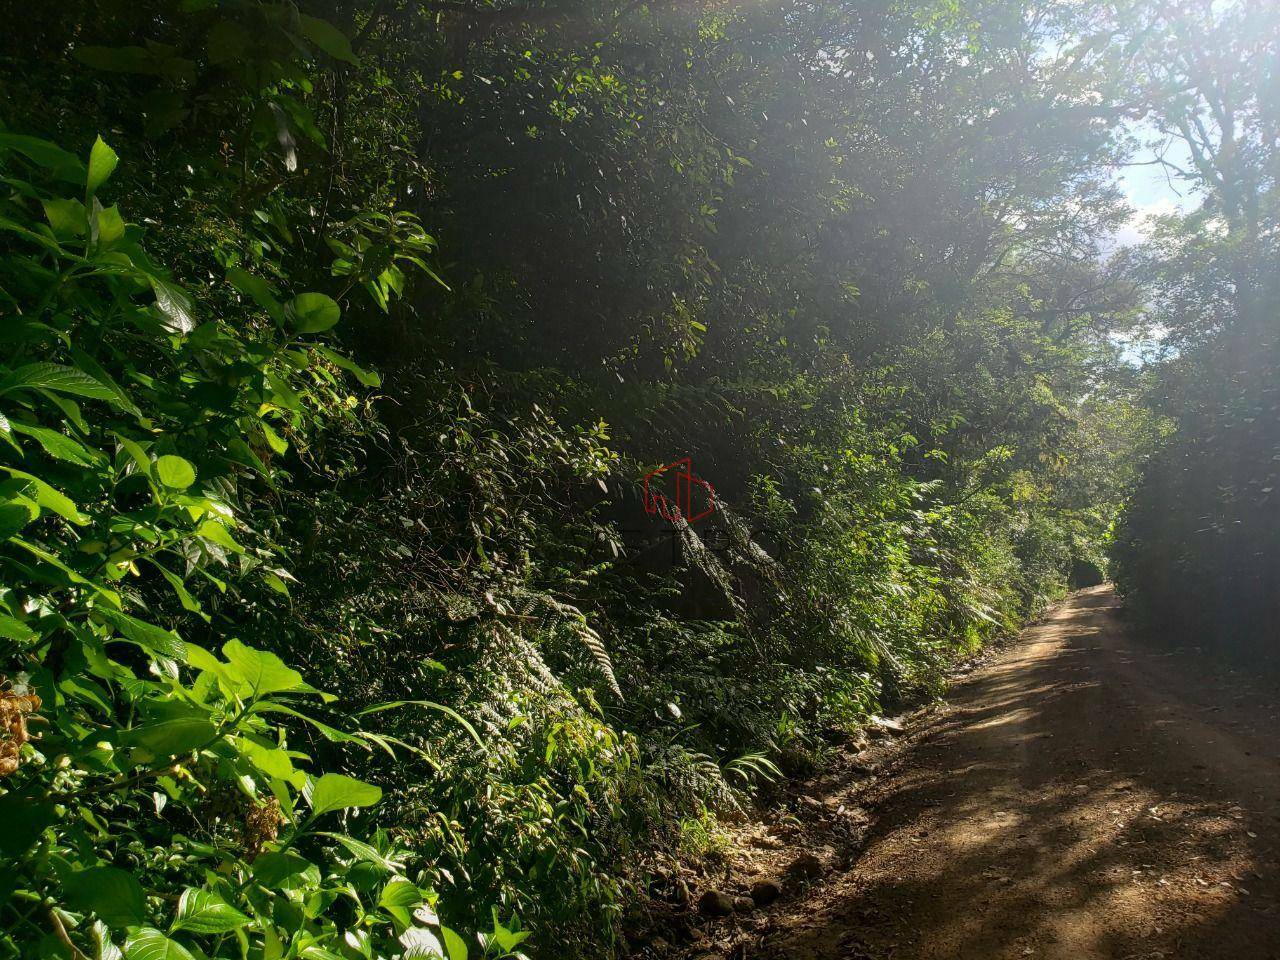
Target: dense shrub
(155, 797)
(1196, 553)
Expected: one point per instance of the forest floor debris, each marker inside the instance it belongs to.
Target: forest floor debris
(1082, 796)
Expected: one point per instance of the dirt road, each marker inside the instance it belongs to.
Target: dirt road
(1083, 796)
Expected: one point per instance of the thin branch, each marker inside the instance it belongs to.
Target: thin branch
(60, 932)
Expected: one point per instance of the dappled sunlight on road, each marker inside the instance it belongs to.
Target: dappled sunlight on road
(1071, 803)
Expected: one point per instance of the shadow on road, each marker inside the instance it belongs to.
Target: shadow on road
(1083, 797)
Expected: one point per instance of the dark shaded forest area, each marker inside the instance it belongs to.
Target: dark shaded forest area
(339, 338)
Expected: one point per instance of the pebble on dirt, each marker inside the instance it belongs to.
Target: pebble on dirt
(885, 727)
(811, 864)
(713, 903)
(669, 888)
(765, 892)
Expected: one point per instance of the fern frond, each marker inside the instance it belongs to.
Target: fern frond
(577, 622)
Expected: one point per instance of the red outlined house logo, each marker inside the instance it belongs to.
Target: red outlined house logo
(694, 498)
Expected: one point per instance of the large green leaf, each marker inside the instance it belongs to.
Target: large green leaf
(57, 445)
(50, 498)
(259, 290)
(421, 942)
(110, 224)
(150, 944)
(14, 630)
(103, 947)
(60, 379)
(203, 912)
(363, 851)
(13, 517)
(92, 367)
(272, 869)
(62, 163)
(168, 738)
(52, 560)
(332, 734)
(261, 672)
(272, 761)
(157, 640)
(276, 442)
(66, 217)
(173, 471)
(174, 306)
(114, 895)
(328, 38)
(314, 312)
(334, 791)
(456, 946)
(400, 893)
(216, 531)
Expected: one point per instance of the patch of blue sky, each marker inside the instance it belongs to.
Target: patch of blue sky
(1152, 187)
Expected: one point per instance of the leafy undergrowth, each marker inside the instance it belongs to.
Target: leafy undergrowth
(156, 799)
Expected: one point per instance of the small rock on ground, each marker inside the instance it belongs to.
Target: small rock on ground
(811, 864)
(714, 903)
(765, 892)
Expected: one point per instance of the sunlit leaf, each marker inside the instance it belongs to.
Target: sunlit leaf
(169, 738)
(334, 791)
(57, 445)
(52, 376)
(400, 893)
(150, 944)
(175, 472)
(102, 163)
(261, 672)
(454, 944)
(174, 306)
(421, 942)
(313, 312)
(203, 912)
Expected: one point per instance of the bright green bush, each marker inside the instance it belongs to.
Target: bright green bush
(155, 800)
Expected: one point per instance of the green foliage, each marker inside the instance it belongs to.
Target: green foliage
(867, 302)
(1196, 553)
(156, 807)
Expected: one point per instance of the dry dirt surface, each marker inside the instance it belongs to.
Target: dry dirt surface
(1083, 795)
